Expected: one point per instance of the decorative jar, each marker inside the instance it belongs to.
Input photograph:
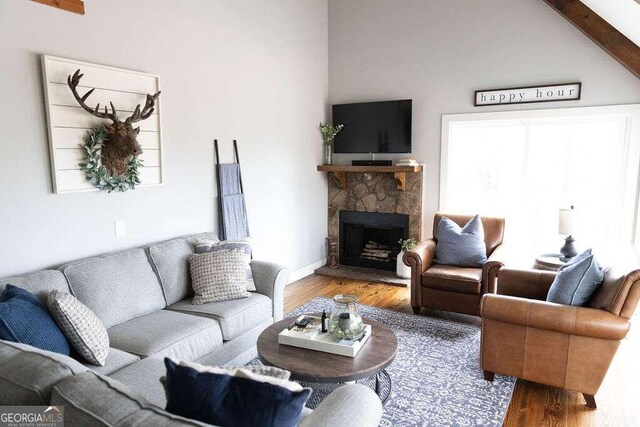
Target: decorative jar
(345, 322)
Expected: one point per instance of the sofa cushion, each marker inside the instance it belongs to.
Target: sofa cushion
(39, 282)
(239, 351)
(166, 333)
(340, 407)
(170, 262)
(24, 319)
(91, 399)
(234, 316)
(144, 377)
(453, 279)
(116, 287)
(116, 359)
(28, 374)
(7, 350)
(158, 418)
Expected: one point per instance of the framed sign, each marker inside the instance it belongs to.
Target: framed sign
(529, 94)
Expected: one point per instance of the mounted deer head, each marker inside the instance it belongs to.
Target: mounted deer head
(122, 142)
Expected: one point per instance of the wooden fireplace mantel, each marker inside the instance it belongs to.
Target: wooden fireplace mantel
(399, 172)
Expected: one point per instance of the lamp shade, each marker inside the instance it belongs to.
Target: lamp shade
(567, 221)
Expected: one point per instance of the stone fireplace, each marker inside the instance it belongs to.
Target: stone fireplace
(369, 209)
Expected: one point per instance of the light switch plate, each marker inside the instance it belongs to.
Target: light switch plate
(121, 228)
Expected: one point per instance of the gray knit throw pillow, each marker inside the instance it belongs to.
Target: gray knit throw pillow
(84, 330)
(218, 276)
(203, 246)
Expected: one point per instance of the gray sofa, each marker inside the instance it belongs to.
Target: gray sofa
(143, 297)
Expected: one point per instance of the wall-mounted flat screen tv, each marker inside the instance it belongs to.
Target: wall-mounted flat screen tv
(373, 127)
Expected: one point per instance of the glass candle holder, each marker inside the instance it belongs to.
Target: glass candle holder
(345, 322)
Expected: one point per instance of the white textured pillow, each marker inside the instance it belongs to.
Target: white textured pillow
(218, 276)
(243, 245)
(273, 376)
(203, 244)
(84, 330)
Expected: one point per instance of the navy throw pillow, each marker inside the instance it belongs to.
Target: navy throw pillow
(225, 400)
(576, 281)
(24, 319)
(464, 246)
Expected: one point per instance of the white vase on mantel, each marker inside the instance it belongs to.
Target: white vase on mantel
(403, 271)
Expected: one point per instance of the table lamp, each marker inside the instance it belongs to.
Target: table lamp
(567, 226)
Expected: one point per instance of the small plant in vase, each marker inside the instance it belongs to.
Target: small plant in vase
(329, 132)
(402, 270)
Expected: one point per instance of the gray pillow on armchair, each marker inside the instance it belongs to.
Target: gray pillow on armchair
(464, 246)
(576, 281)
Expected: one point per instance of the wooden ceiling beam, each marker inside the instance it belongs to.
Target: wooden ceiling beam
(600, 32)
(75, 6)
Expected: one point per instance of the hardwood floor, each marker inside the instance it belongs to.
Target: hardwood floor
(532, 404)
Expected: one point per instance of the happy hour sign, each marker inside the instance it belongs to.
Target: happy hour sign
(525, 95)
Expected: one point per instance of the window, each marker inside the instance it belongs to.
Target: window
(526, 165)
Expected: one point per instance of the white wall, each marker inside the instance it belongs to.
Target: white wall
(439, 52)
(251, 70)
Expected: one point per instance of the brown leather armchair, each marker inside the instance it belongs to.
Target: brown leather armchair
(453, 288)
(558, 345)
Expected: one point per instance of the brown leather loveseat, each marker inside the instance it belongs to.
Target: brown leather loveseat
(558, 345)
(453, 288)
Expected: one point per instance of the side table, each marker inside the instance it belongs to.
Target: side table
(549, 262)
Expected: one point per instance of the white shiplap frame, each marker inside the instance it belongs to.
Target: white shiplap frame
(68, 123)
(630, 194)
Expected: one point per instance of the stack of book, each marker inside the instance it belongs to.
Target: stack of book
(410, 161)
(311, 337)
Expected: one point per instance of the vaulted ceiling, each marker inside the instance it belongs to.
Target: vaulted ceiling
(602, 32)
(614, 25)
(624, 15)
(75, 6)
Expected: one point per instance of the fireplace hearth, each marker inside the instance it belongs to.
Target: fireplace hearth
(370, 239)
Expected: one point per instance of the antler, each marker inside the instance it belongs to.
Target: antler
(149, 106)
(73, 81)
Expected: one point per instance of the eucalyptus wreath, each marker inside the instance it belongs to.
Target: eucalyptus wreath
(97, 174)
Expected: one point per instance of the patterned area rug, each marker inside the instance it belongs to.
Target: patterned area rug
(436, 374)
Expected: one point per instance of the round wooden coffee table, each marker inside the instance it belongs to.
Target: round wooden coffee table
(319, 367)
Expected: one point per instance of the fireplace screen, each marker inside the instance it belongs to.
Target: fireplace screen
(370, 239)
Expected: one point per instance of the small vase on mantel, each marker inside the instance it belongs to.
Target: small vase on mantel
(403, 271)
(329, 132)
(328, 154)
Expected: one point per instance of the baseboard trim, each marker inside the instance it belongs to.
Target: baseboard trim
(305, 271)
